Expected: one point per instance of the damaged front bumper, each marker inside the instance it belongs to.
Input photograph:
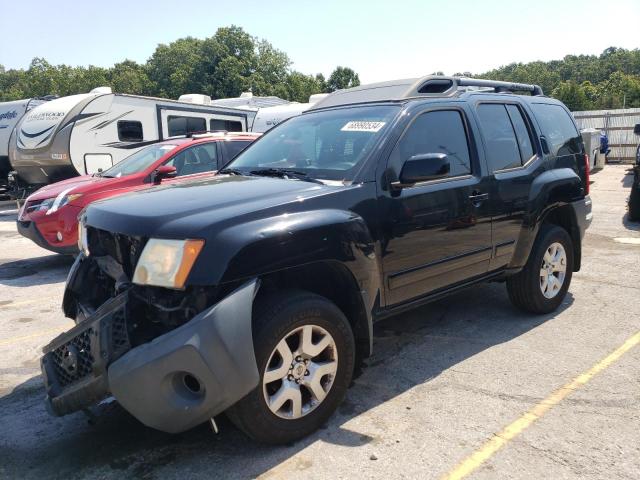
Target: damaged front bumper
(172, 383)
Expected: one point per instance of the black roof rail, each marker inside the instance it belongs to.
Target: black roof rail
(498, 86)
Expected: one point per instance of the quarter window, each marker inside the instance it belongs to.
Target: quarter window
(556, 124)
(499, 137)
(179, 125)
(440, 131)
(130, 131)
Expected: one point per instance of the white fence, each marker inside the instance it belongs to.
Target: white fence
(618, 125)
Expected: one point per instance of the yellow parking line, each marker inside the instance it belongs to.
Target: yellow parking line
(41, 333)
(499, 440)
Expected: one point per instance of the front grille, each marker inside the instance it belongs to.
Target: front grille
(120, 343)
(73, 361)
(122, 248)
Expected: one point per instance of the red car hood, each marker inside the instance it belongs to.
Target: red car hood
(84, 184)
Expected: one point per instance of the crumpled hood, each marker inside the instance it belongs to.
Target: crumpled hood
(194, 209)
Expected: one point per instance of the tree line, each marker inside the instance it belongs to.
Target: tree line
(222, 66)
(232, 61)
(582, 82)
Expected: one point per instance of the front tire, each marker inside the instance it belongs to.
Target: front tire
(634, 198)
(305, 352)
(543, 283)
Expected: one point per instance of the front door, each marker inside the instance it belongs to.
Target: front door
(435, 233)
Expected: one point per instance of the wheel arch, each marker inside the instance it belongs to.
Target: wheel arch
(332, 280)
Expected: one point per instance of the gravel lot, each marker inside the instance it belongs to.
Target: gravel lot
(443, 381)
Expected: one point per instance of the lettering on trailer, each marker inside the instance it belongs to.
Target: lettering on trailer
(8, 116)
(32, 117)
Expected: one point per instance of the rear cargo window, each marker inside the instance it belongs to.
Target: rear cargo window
(130, 131)
(178, 125)
(499, 137)
(558, 128)
(441, 131)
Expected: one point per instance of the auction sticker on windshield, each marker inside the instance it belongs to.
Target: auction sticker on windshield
(362, 126)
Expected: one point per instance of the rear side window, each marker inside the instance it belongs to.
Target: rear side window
(522, 132)
(558, 128)
(499, 137)
(130, 131)
(179, 125)
(440, 131)
(228, 125)
(234, 147)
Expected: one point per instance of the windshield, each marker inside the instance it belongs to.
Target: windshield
(329, 145)
(139, 161)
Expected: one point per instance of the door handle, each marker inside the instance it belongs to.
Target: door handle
(477, 198)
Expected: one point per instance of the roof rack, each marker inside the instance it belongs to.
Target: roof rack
(429, 86)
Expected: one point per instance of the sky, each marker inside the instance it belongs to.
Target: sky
(380, 40)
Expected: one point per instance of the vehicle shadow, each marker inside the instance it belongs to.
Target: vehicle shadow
(35, 271)
(410, 350)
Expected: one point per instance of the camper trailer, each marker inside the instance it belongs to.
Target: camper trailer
(268, 117)
(10, 115)
(86, 133)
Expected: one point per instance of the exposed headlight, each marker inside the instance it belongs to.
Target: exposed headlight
(61, 200)
(166, 263)
(83, 240)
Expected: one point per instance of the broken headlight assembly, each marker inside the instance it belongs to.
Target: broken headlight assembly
(166, 263)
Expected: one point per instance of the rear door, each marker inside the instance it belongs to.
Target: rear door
(514, 161)
(435, 233)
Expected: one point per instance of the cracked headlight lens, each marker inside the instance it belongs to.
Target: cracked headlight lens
(166, 263)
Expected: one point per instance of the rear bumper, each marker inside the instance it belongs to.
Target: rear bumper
(176, 381)
(28, 229)
(584, 216)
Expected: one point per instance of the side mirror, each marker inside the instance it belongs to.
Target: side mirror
(636, 129)
(423, 167)
(164, 171)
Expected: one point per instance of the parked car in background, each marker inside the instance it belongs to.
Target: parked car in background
(634, 197)
(82, 134)
(255, 291)
(49, 216)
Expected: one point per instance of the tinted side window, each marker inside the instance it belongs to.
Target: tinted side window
(198, 159)
(178, 125)
(234, 147)
(130, 131)
(522, 132)
(228, 125)
(500, 139)
(556, 124)
(440, 131)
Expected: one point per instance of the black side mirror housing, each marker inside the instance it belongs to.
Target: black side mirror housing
(636, 129)
(422, 168)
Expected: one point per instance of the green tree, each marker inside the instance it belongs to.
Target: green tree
(572, 95)
(342, 77)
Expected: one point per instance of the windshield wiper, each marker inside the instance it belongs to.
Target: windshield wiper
(233, 171)
(286, 173)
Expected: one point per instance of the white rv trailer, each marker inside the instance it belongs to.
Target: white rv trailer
(269, 117)
(81, 134)
(10, 115)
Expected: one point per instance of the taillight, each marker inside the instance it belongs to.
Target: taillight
(587, 173)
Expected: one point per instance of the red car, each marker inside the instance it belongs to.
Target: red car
(49, 216)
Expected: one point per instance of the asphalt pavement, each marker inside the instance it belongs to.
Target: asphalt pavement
(465, 387)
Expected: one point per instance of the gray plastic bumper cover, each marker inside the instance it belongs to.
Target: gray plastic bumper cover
(186, 376)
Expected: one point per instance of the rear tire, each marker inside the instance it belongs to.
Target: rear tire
(282, 358)
(634, 198)
(542, 284)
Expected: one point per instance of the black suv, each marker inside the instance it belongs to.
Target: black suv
(254, 292)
